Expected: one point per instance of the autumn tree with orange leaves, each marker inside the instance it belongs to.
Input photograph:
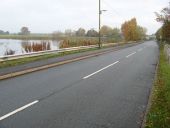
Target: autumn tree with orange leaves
(132, 32)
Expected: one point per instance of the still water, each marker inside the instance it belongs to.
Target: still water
(15, 47)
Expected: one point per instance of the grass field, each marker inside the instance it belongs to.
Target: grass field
(27, 37)
(159, 114)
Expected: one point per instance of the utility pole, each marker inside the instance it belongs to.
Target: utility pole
(100, 12)
(100, 23)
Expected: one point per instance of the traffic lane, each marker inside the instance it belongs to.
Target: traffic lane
(116, 97)
(33, 90)
(21, 90)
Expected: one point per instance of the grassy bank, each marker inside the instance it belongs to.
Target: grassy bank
(11, 63)
(159, 114)
(21, 61)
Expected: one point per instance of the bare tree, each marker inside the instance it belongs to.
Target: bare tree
(81, 32)
(24, 31)
(92, 33)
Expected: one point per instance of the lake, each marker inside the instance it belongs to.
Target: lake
(16, 47)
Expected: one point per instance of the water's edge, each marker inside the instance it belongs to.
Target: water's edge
(17, 47)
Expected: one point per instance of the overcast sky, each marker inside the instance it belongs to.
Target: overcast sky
(45, 16)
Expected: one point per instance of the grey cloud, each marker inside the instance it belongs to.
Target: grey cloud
(50, 15)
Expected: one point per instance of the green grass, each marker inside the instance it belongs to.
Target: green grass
(21, 61)
(11, 63)
(159, 114)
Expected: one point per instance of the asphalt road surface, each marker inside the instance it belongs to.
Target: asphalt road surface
(107, 91)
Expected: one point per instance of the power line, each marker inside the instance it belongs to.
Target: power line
(114, 10)
(107, 4)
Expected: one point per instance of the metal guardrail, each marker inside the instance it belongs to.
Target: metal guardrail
(33, 54)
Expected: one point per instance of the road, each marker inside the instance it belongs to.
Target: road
(40, 63)
(107, 91)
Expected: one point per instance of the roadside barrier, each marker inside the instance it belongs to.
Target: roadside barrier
(33, 54)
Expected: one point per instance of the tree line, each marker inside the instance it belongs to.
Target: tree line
(163, 34)
(106, 31)
(4, 33)
(23, 31)
(130, 31)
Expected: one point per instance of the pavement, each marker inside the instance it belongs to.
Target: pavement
(106, 91)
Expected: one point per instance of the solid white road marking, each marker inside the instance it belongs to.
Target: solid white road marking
(101, 70)
(130, 54)
(18, 110)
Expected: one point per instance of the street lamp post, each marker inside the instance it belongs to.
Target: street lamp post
(100, 12)
(99, 23)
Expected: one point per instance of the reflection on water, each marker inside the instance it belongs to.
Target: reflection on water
(36, 47)
(15, 47)
(9, 52)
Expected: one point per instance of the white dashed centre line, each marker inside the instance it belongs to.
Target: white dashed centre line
(18, 110)
(130, 55)
(101, 70)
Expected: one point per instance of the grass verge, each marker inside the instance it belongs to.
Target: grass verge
(11, 63)
(159, 114)
(21, 61)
